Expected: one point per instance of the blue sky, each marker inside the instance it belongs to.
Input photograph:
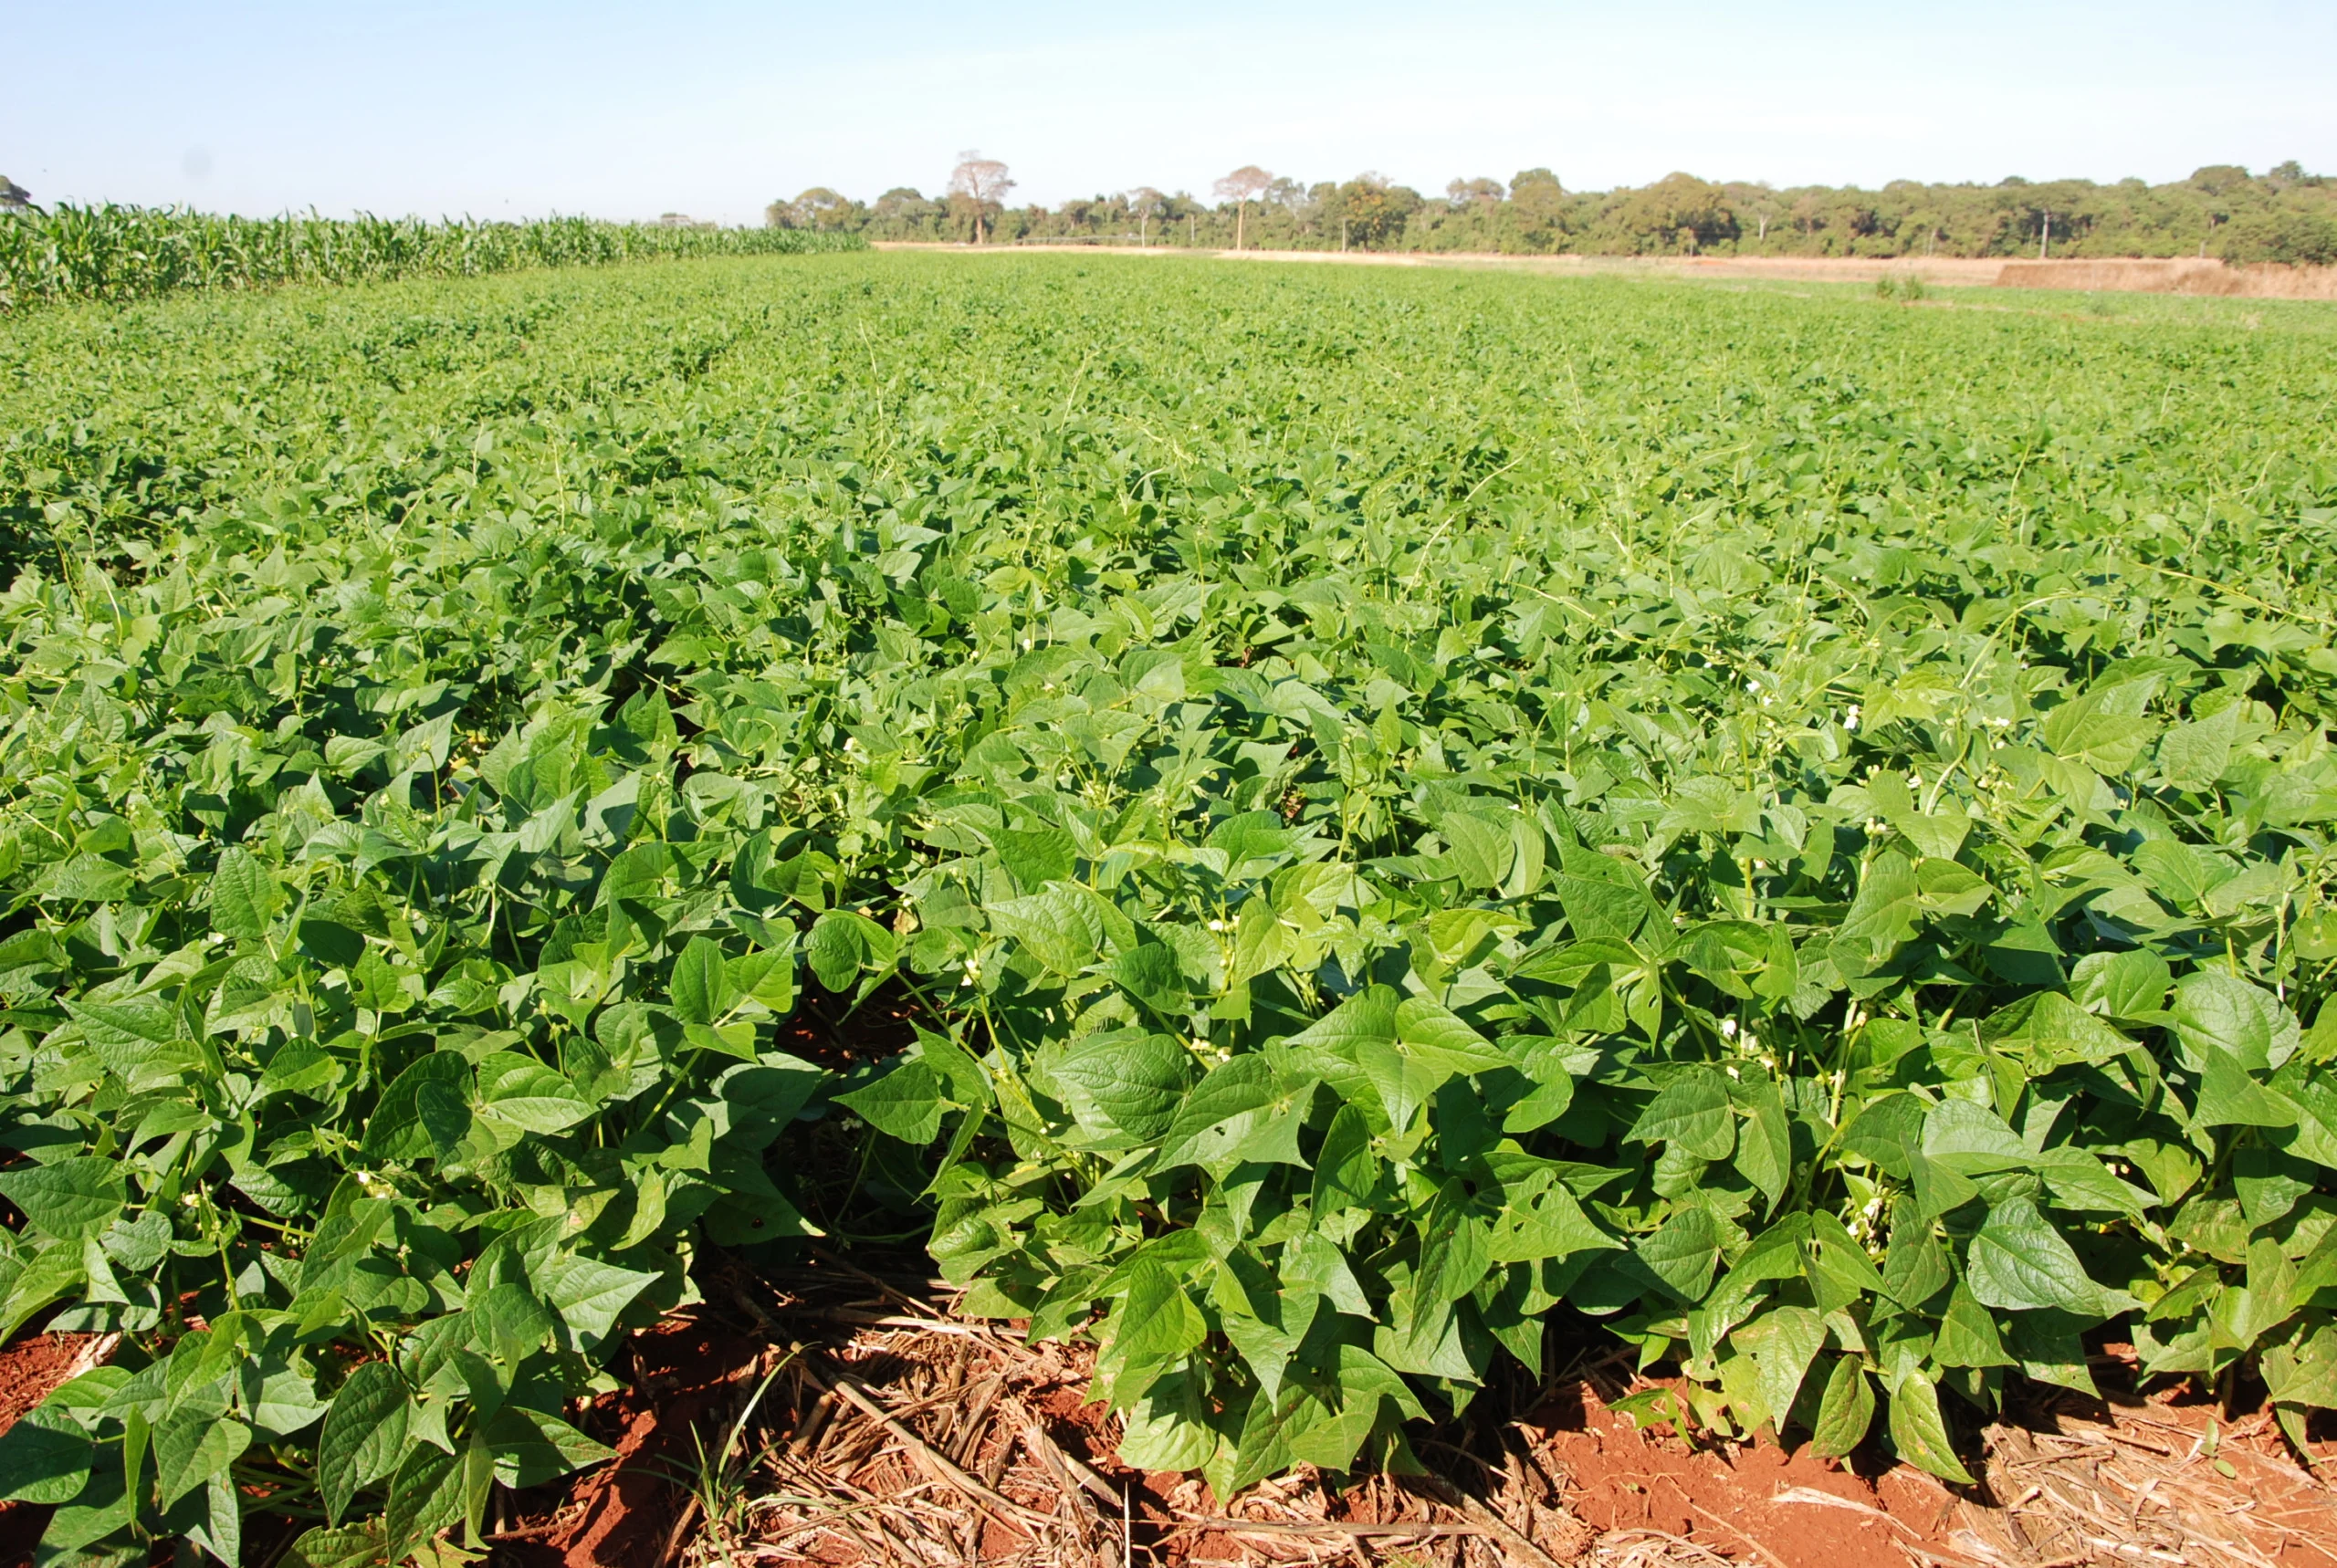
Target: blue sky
(713, 107)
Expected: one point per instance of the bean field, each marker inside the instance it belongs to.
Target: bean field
(1304, 830)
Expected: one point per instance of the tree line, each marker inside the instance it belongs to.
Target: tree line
(2283, 215)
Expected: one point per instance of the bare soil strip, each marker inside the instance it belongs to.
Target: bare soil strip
(2181, 275)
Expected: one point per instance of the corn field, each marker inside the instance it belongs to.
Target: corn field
(125, 252)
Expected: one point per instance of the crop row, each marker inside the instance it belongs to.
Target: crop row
(126, 252)
(1798, 830)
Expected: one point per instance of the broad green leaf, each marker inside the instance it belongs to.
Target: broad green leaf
(1782, 1341)
(425, 1496)
(1919, 1431)
(70, 1198)
(1967, 1335)
(45, 1458)
(530, 1447)
(700, 986)
(1690, 1114)
(1683, 1251)
(1765, 1140)
(1125, 1080)
(364, 1436)
(524, 1091)
(2019, 1262)
(2194, 756)
(244, 897)
(193, 1445)
(1845, 1410)
(904, 1102)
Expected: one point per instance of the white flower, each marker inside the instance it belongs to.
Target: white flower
(1728, 1028)
(1217, 926)
(1851, 722)
(1753, 685)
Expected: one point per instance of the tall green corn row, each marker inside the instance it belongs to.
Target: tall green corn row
(125, 252)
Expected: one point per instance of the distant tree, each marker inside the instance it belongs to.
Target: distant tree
(1374, 209)
(1144, 205)
(13, 195)
(1474, 192)
(1242, 187)
(1678, 212)
(818, 208)
(1537, 210)
(2299, 238)
(1287, 194)
(2217, 179)
(982, 182)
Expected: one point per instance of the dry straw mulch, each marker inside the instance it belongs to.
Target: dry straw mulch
(888, 1431)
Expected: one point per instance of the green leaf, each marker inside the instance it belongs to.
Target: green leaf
(701, 988)
(2194, 756)
(1919, 1431)
(2215, 1014)
(192, 1445)
(2229, 1097)
(1156, 1327)
(426, 1497)
(1683, 1251)
(1168, 1429)
(244, 898)
(1967, 1335)
(1346, 1170)
(1125, 1080)
(1765, 1143)
(355, 1546)
(2019, 1262)
(1455, 1247)
(364, 1436)
(397, 1129)
(590, 1294)
(530, 1447)
(1782, 1341)
(1887, 1133)
(844, 944)
(525, 1093)
(1218, 1112)
(1059, 927)
(1366, 1017)
(1691, 1115)
(1432, 1034)
(904, 1102)
(70, 1199)
(1845, 1411)
(45, 1458)
(2129, 985)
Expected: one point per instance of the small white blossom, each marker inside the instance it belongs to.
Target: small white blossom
(1851, 721)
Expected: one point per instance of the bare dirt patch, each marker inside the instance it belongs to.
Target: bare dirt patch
(2180, 275)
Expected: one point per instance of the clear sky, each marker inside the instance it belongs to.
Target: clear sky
(511, 108)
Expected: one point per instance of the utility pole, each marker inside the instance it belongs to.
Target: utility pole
(2045, 241)
(1343, 237)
